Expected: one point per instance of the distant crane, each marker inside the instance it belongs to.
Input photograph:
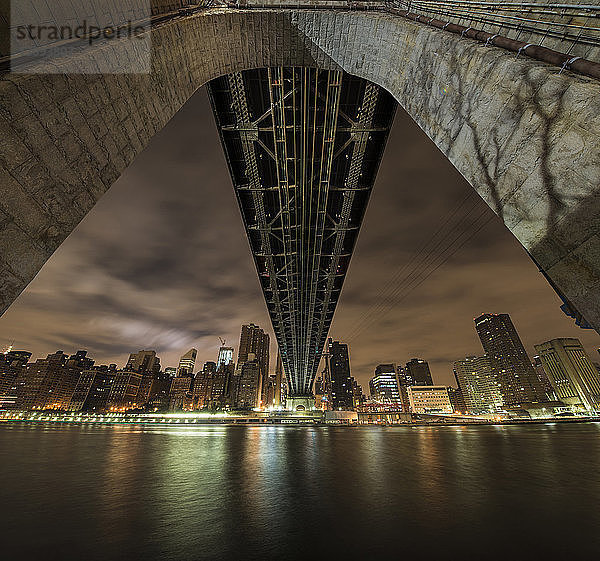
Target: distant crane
(222, 341)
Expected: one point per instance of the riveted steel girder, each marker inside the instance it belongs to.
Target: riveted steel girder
(303, 146)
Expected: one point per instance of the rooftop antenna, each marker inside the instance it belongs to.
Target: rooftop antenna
(222, 341)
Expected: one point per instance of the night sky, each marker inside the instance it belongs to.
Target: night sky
(162, 262)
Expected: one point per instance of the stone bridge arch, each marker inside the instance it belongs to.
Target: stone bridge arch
(525, 135)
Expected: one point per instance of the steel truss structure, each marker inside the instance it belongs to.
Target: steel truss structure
(303, 147)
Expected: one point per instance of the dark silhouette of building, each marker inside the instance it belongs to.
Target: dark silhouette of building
(249, 384)
(253, 340)
(12, 379)
(338, 363)
(99, 391)
(143, 361)
(49, 383)
(417, 373)
(514, 371)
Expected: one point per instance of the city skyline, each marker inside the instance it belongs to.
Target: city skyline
(402, 365)
(117, 283)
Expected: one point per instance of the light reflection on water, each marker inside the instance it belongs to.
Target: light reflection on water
(230, 492)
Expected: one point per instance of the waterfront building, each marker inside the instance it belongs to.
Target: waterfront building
(253, 340)
(573, 376)
(321, 400)
(82, 390)
(383, 386)
(223, 387)
(180, 394)
(338, 366)
(202, 391)
(158, 396)
(476, 378)
(99, 392)
(543, 378)
(48, 384)
(513, 369)
(12, 379)
(249, 384)
(124, 391)
(417, 373)
(429, 399)
(358, 397)
(457, 400)
(187, 363)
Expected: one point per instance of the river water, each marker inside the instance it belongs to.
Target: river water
(230, 492)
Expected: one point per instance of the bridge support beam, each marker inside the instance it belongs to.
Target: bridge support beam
(525, 136)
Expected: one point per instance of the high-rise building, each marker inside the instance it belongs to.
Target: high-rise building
(181, 393)
(187, 363)
(358, 397)
(574, 377)
(321, 395)
(456, 399)
(543, 378)
(124, 391)
(143, 361)
(384, 386)
(249, 390)
(429, 399)
(418, 373)
(99, 392)
(253, 340)
(338, 365)
(477, 381)
(514, 371)
(82, 390)
(49, 383)
(15, 358)
(225, 356)
(80, 360)
(12, 379)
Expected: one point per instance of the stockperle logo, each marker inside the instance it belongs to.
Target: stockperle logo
(84, 37)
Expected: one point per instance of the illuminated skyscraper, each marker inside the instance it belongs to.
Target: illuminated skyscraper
(187, 363)
(225, 356)
(384, 386)
(513, 368)
(574, 377)
(477, 381)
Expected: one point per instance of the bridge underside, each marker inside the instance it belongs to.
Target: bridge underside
(303, 147)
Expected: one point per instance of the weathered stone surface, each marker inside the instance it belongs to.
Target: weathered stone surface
(526, 137)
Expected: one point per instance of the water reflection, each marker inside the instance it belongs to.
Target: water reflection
(229, 492)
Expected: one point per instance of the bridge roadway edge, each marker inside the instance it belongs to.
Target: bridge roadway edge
(525, 136)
